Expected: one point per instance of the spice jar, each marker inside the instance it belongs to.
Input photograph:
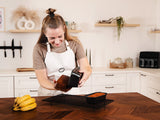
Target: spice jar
(73, 26)
(129, 63)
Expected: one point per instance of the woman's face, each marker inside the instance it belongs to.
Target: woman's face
(55, 36)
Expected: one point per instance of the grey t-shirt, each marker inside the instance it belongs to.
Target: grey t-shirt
(40, 50)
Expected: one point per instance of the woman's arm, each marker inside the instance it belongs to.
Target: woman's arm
(43, 79)
(85, 68)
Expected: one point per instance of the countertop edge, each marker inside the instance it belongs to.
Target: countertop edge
(95, 70)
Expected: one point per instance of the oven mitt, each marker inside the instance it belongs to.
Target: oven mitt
(62, 83)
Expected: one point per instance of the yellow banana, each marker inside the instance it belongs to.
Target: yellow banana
(15, 101)
(27, 102)
(16, 108)
(29, 107)
(23, 98)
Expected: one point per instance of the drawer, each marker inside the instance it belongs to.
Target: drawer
(110, 88)
(115, 88)
(21, 92)
(73, 91)
(154, 94)
(87, 83)
(102, 79)
(26, 82)
(154, 81)
(85, 90)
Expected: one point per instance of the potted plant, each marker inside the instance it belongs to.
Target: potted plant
(120, 24)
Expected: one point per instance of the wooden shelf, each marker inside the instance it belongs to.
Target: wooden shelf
(24, 31)
(74, 31)
(114, 25)
(157, 31)
(34, 31)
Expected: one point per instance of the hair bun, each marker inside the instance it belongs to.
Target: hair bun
(51, 11)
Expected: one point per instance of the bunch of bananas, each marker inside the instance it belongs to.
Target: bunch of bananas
(24, 103)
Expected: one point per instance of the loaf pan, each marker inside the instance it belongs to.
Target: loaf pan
(96, 97)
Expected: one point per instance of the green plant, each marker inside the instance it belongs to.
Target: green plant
(120, 24)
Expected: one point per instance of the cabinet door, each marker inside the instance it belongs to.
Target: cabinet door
(26, 91)
(109, 82)
(85, 89)
(144, 83)
(154, 82)
(154, 88)
(26, 85)
(154, 94)
(6, 87)
(133, 82)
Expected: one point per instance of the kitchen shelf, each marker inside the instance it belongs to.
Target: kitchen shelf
(74, 31)
(114, 25)
(24, 31)
(157, 31)
(34, 31)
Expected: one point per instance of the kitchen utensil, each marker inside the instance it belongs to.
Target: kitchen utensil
(24, 69)
(65, 83)
(13, 53)
(5, 53)
(62, 83)
(96, 97)
(75, 77)
(78, 100)
(90, 57)
(20, 50)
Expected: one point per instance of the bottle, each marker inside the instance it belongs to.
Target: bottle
(73, 26)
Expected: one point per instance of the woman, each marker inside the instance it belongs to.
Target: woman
(56, 53)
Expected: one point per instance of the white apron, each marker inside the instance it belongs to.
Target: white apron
(57, 64)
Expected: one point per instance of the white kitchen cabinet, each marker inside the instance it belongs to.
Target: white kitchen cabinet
(6, 87)
(153, 88)
(133, 82)
(150, 86)
(144, 78)
(26, 85)
(109, 82)
(85, 89)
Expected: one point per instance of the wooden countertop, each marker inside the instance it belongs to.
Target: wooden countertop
(126, 106)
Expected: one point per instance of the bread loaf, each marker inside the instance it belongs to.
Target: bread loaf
(62, 83)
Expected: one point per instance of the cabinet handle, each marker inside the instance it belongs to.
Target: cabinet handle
(33, 90)
(143, 75)
(109, 74)
(32, 77)
(158, 93)
(110, 87)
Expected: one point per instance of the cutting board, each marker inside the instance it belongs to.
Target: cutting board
(24, 69)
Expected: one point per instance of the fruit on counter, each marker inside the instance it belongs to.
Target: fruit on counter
(27, 102)
(22, 99)
(24, 103)
(29, 107)
(15, 101)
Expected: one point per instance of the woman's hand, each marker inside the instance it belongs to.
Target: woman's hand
(85, 68)
(43, 79)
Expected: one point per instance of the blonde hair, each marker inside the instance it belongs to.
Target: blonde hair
(53, 20)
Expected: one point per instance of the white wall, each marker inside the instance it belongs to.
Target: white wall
(101, 40)
(157, 44)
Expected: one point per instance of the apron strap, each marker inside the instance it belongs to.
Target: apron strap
(48, 47)
(67, 45)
